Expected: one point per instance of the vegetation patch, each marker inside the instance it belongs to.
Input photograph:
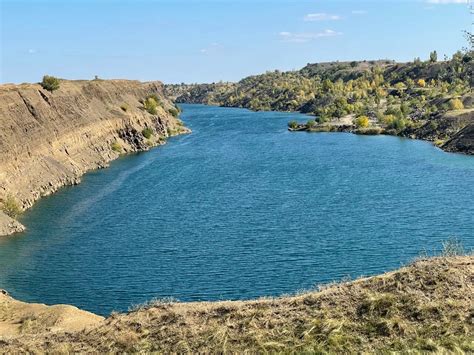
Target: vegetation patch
(147, 132)
(50, 83)
(116, 147)
(11, 207)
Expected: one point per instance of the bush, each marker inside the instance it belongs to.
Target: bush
(310, 123)
(456, 104)
(151, 105)
(147, 133)
(50, 83)
(10, 207)
(399, 124)
(174, 111)
(421, 83)
(116, 147)
(362, 122)
(293, 124)
(124, 107)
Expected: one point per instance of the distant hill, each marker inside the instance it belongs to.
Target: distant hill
(398, 98)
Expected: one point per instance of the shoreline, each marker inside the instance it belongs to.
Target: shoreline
(50, 140)
(385, 312)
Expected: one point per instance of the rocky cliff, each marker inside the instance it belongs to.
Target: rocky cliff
(50, 139)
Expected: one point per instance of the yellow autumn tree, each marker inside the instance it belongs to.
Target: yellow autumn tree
(456, 104)
(362, 122)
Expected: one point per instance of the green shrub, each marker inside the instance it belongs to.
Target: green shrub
(310, 123)
(116, 147)
(293, 124)
(50, 83)
(151, 105)
(11, 207)
(174, 111)
(147, 133)
(124, 107)
(323, 119)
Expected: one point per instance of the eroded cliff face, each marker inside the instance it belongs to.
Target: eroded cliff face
(48, 140)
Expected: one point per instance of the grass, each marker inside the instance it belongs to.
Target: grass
(116, 147)
(11, 207)
(147, 133)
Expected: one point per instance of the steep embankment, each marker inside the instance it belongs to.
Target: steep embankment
(48, 140)
(427, 306)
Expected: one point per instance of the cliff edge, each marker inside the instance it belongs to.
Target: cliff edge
(50, 139)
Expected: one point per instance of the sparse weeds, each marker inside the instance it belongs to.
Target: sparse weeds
(453, 247)
(11, 207)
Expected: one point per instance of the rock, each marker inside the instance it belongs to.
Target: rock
(9, 226)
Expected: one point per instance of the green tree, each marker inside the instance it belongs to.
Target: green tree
(50, 83)
(293, 124)
(310, 123)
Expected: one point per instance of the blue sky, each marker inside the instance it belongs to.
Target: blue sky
(211, 40)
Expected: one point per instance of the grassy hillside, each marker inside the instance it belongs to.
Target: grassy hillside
(426, 306)
(369, 97)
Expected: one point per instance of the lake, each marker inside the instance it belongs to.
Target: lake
(240, 208)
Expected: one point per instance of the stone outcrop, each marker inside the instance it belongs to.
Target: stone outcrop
(9, 226)
(49, 140)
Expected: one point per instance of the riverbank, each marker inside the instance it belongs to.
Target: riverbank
(452, 131)
(50, 139)
(431, 100)
(426, 306)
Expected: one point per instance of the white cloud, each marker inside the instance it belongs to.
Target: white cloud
(447, 1)
(359, 12)
(304, 37)
(321, 17)
(31, 51)
(210, 48)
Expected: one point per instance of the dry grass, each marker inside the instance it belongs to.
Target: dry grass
(426, 306)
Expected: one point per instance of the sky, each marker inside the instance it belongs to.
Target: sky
(196, 41)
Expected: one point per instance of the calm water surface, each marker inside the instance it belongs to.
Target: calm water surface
(241, 208)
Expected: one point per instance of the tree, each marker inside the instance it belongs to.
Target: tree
(293, 124)
(50, 83)
(433, 57)
(362, 122)
(456, 104)
(310, 123)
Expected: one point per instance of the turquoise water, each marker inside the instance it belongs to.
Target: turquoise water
(239, 209)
